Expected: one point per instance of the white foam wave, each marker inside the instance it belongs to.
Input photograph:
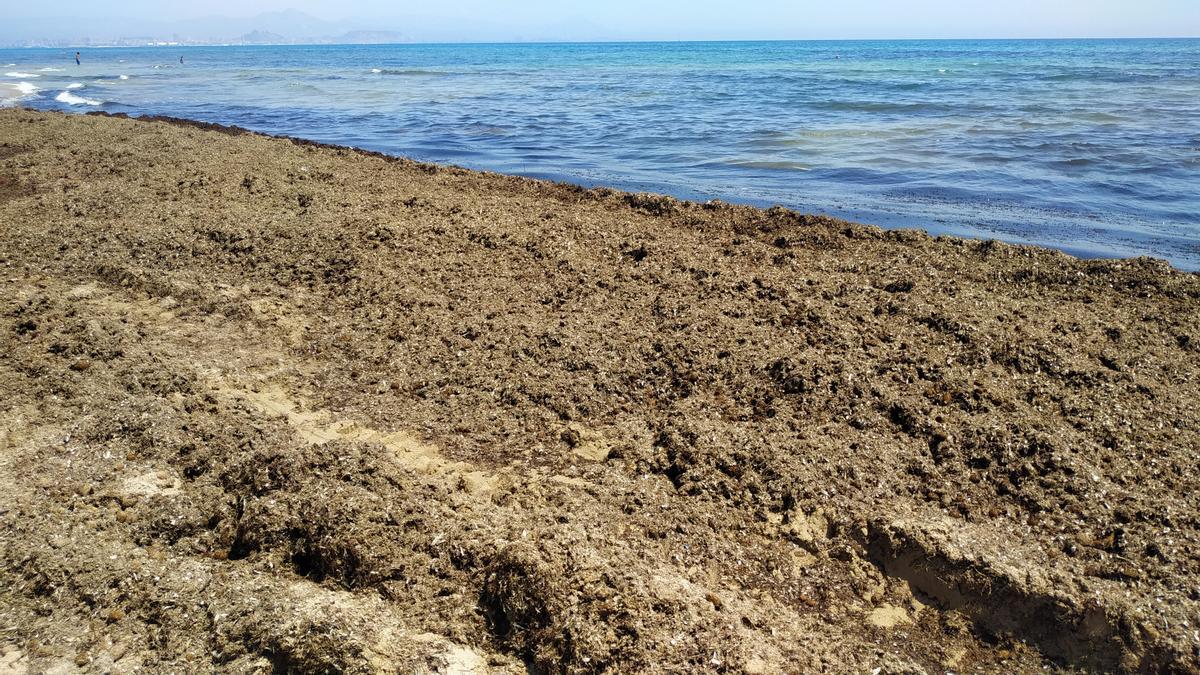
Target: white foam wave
(20, 74)
(71, 99)
(123, 77)
(10, 93)
(75, 85)
(376, 70)
(49, 70)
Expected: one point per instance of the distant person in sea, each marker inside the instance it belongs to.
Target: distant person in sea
(77, 62)
(181, 60)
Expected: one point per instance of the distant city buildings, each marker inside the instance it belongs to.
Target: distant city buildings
(270, 28)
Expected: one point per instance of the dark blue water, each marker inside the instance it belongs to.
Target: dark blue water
(1091, 146)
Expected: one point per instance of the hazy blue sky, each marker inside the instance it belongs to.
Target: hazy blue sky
(679, 19)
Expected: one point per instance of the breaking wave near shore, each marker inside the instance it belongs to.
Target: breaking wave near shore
(73, 99)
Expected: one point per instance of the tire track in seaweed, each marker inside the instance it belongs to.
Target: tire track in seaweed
(319, 427)
(265, 393)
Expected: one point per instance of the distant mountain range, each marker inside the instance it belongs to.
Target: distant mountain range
(285, 27)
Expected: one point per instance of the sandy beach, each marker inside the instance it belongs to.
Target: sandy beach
(267, 405)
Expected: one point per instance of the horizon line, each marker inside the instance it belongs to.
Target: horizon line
(603, 42)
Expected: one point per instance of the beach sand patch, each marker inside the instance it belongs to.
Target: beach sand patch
(888, 616)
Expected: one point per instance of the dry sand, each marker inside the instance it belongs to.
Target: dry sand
(271, 406)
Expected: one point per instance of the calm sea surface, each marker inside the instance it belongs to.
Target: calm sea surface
(1088, 146)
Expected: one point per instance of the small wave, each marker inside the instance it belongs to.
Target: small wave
(26, 88)
(479, 129)
(1099, 117)
(376, 70)
(122, 77)
(411, 72)
(75, 85)
(71, 99)
(1074, 162)
(49, 70)
(768, 165)
(880, 106)
(20, 74)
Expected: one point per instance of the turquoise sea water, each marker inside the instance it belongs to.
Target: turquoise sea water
(1091, 146)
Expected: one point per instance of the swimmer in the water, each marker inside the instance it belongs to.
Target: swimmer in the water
(77, 58)
(181, 60)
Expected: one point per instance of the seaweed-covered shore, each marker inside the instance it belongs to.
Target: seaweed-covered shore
(269, 405)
